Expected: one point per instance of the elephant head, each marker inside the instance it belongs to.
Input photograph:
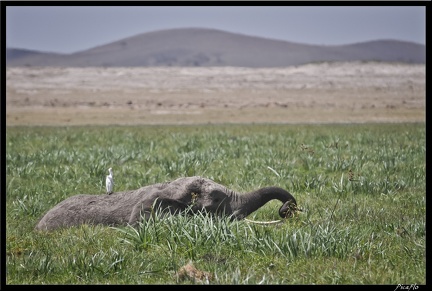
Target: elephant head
(201, 194)
(192, 194)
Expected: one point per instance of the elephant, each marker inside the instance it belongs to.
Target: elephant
(189, 194)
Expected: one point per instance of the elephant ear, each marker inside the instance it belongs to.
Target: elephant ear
(161, 206)
(288, 209)
(168, 205)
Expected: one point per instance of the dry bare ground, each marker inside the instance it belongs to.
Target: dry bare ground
(316, 93)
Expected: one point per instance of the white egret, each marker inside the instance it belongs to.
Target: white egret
(109, 181)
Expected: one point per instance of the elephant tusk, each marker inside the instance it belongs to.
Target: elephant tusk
(264, 222)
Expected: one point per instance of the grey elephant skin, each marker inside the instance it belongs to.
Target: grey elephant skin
(192, 194)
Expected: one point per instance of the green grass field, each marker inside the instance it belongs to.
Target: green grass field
(362, 189)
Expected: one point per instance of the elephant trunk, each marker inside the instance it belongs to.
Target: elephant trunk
(252, 201)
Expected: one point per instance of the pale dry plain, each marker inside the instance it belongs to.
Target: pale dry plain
(356, 92)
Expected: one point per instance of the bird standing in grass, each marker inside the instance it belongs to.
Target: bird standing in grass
(109, 182)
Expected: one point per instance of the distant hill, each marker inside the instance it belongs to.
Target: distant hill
(210, 47)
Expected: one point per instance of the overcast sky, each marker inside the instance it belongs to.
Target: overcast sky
(71, 29)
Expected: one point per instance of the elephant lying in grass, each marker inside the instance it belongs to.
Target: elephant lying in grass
(191, 194)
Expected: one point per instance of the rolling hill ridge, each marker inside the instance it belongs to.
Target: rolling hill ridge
(201, 47)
